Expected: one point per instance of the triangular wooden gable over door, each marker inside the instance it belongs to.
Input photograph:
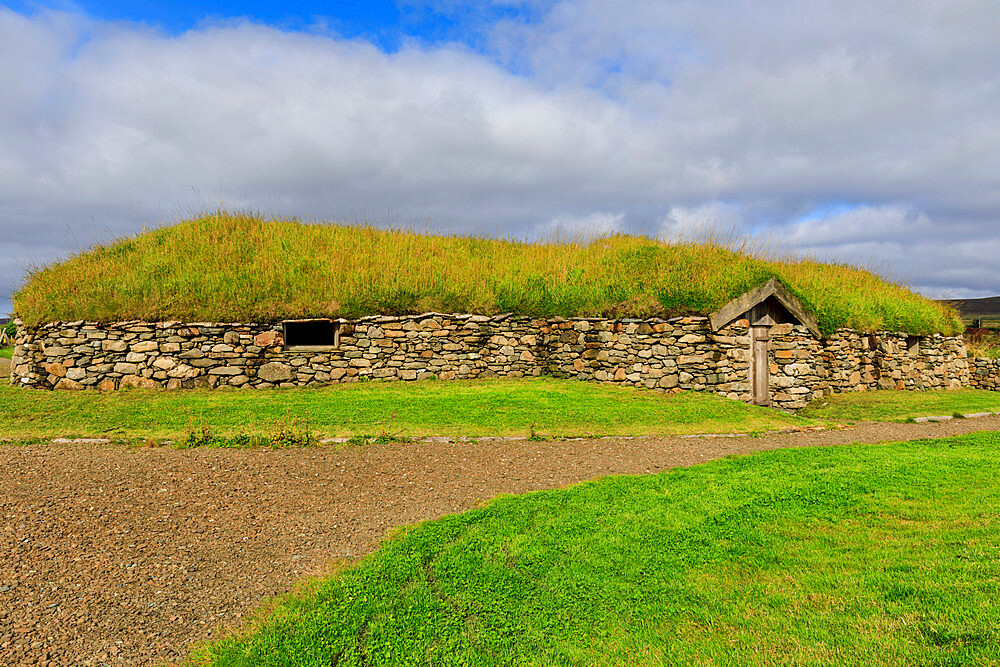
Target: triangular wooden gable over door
(764, 307)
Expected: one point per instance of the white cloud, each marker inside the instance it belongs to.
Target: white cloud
(652, 117)
(861, 224)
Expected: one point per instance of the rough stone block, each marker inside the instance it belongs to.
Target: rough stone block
(668, 381)
(136, 382)
(267, 339)
(275, 372)
(56, 368)
(66, 384)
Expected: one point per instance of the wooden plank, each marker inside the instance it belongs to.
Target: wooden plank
(741, 306)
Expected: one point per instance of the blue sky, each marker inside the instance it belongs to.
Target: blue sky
(385, 23)
(855, 131)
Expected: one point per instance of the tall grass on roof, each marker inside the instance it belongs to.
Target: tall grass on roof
(241, 267)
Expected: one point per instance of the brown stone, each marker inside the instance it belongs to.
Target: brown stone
(136, 382)
(684, 360)
(267, 339)
(620, 375)
(68, 385)
(667, 382)
(56, 369)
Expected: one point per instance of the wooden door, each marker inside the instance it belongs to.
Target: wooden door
(761, 320)
(760, 368)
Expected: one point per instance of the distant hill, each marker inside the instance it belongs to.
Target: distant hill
(987, 307)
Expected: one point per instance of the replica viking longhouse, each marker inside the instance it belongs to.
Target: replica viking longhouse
(235, 301)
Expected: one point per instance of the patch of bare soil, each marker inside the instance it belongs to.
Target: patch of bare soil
(124, 556)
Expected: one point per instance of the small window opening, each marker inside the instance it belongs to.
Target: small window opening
(913, 345)
(311, 334)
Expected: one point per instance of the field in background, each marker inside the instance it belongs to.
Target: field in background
(231, 267)
(503, 407)
(874, 554)
(983, 343)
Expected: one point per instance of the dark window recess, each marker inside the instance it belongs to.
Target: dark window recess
(311, 333)
(913, 345)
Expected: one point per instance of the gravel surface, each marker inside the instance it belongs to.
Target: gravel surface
(126, 556)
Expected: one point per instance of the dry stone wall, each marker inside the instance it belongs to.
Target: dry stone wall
(803, 368)
(984, 374)
(674, 354)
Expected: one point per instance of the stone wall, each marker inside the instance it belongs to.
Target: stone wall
(675, 354)
(984, 374)
(803, 368)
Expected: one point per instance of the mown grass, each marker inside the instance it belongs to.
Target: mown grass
(900, 406)
(233, 267)
(850, 555)
(511, 407)
(6, 353)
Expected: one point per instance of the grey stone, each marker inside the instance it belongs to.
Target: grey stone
(275, 372)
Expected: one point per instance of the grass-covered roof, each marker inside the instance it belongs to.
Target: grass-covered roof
(233, 267)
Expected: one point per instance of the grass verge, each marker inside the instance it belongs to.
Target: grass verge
(867, 554)
(900, 406)
(232, 267)
(6, 353)
(510, 407)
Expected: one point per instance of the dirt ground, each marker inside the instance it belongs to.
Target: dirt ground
(126, 556)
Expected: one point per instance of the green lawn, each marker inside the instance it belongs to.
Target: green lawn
(6, 353)
(865, 554)
(473, 408)
(900, 405)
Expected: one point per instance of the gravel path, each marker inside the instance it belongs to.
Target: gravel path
(125, 556)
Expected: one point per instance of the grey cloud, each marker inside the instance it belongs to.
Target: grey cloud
(643, 116)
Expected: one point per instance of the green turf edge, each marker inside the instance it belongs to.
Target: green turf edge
(900, 406)
(542, 407)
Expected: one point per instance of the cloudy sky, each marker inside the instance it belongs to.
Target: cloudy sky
(851, 130)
